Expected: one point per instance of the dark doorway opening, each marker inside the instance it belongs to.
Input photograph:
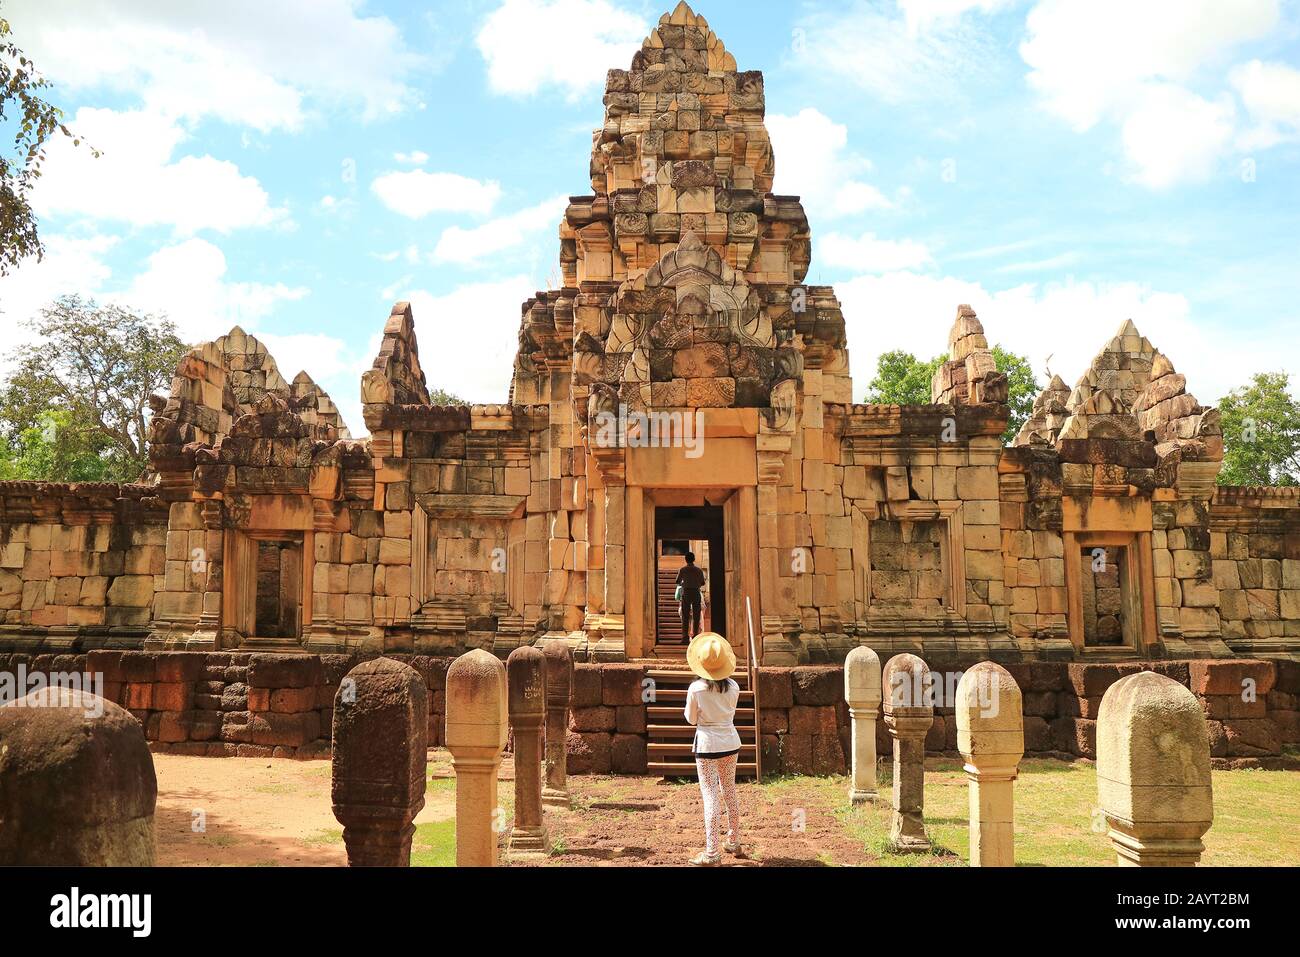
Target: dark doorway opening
(1107, 604)
(698, 529)
(279, 589)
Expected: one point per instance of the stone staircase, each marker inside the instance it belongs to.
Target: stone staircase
(668, 628)
(669, 736)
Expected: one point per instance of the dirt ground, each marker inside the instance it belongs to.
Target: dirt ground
(264, 812)
(246, 812)
(647, 822)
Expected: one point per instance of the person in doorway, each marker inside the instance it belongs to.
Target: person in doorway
(711, 708)
(690, 584)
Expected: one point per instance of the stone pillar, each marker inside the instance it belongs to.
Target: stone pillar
(991, 739)
(475, 735)
(1153, 771)
(909, 713)
(526, 677)
(77, 785)
(862, 692)
(380, 735)
(559, 693)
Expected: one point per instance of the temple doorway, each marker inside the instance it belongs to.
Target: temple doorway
(701, 531)
(278, 610)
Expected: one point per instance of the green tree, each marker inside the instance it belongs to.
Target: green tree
(1022, 388)
(441, 397)
(35, 120)
(54, 451)
(1261, 433)
(903, 379)
(84, 384)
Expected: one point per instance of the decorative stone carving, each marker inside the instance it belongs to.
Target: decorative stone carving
(559, 693)
(1153, 771)
(475, 735)
(378, 763)
(862, 692)
(908, 691)
(526, 677)
(991, 739)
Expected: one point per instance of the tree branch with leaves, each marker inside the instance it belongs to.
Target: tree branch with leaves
(35, 120)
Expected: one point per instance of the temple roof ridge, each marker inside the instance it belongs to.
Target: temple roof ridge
(672, 32)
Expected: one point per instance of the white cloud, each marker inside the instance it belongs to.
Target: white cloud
(187, 282)
(925, 14)
(569, 44)
(1136, 64)
(417, 193)
(469, 337)
(467, 246)
(869, 254)
(1271, 94)
(245, 62)
(413, 158)
(1088, 58)
(1067, 322)
(71, 265)
(922, 50)
(813, 162)
(1173, 136)
(137, 180)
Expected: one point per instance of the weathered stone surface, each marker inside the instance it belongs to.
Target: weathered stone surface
(526, 681)
(1153, 771)
(907, 690)
(77, 785)
(862, 691)
(476, 734)
(991, 739)
(381, 720)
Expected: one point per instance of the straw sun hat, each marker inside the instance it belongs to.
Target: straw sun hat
(710, 656)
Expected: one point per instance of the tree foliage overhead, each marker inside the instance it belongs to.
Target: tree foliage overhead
(1261, 433)
(903, 379)
(34, 120)
(79, 392)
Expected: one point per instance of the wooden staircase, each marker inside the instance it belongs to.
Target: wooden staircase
(670, 737)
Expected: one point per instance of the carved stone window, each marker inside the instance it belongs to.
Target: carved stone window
(915, 562)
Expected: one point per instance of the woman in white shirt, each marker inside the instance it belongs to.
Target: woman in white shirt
(711, 707)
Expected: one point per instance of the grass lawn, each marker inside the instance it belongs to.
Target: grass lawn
(1256, 816)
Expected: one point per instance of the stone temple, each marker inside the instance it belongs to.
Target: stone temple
(681, 389)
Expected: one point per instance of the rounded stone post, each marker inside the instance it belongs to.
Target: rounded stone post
(559, 693)
(991, 739)
(862, 692)
(909, 713)
(526, 678)
(77, 785)
(1153, 771)
(475, 735)
(380, 743)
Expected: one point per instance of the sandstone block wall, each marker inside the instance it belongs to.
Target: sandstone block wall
(79, 561)
(223, 704)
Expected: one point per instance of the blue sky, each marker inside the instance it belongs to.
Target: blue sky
(1061, 165)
